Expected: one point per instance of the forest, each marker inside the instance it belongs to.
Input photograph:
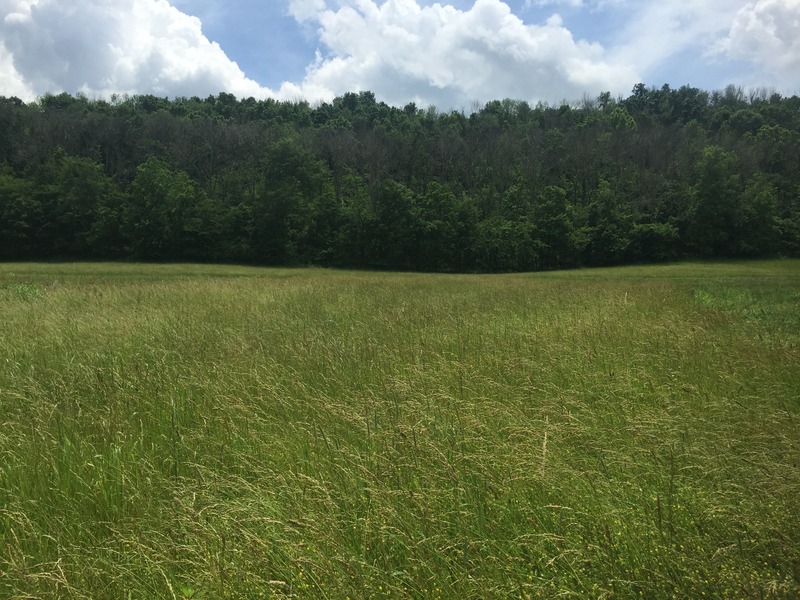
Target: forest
(663, 174)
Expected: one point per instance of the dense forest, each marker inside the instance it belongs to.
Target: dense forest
(662, 174)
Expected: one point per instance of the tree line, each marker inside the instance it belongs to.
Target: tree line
(660, 175)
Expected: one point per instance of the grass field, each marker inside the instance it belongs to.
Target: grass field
(184, 431)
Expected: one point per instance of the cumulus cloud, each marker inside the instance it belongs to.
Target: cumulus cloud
(766, 34)
(593, 4)
(441, 55)
(572, 3)
(753, 43)
(449, 54)
(13, 83)
(306, 10)
(101, 47)
(658, 30)
(403, 50)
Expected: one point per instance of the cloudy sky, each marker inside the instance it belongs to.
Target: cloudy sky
(450, 53)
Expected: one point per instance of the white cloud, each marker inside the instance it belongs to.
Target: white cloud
(717, 37)
(101, 47)
(444, 53)
(571, 3)
(659, 30)
(306, 10)
(441, 55)
(593, 4)
(13, 83)
(766, 34)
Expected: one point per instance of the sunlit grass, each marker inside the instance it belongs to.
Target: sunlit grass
(211, 431)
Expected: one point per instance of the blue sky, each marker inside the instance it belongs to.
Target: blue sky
(452, 54)
(266, 42)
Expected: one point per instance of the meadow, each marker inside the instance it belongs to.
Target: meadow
(185, 431)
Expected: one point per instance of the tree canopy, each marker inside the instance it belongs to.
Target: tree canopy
(662, 174)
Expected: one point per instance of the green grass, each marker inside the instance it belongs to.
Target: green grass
(188, 431)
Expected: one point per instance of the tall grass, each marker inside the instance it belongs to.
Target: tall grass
(221, 432)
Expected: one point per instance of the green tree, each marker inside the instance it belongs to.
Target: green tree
(439, 219)
(20, 217)
(295, 213)
(609, 229)
(555, 228)
(398, 229)
(81, 201)
(620, 119)
(355, 237)
(505, 245)
(160, 219)
(716, 199)
(654, 242)
(756, 235)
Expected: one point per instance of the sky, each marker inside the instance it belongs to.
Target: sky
(453, 54)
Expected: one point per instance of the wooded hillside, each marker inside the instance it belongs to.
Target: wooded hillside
(662, 174)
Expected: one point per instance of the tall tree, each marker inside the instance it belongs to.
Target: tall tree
(160, 219)
(716, 199)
